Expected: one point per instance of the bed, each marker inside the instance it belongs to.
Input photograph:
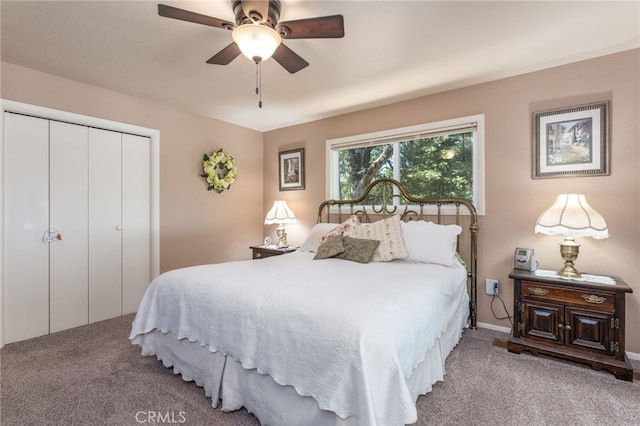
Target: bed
(348, 330)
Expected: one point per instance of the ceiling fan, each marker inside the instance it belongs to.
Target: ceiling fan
(257, 33)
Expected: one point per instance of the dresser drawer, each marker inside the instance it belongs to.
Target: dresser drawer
(587, 298)
(261, 254)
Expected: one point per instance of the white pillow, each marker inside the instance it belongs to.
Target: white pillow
(314, 238)
(389, 233)
(429, 242)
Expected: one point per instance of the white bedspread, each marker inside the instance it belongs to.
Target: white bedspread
(345, 333)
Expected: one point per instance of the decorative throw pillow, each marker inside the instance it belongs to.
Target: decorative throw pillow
(345, 229)
(358, 250)
(314, 238)
(330, 248)
(429, 242)
(389, 233)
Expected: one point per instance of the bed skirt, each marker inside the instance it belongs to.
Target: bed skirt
(231, 387)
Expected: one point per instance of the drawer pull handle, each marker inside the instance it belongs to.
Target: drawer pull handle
(537, 291)
(258, 255)
(592, 298)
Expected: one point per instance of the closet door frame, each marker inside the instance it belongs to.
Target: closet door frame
(53, 114)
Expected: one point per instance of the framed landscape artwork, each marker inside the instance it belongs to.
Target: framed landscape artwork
(291, 169)
(571, 141)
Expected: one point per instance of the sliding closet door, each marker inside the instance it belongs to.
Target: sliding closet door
(136, 220)
(68, 195)
(105, 225)
(26, 219)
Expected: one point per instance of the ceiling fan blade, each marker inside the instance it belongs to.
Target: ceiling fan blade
(185, 15)
(289, 59)
(321, 27)
(256, 10)
(226, 55)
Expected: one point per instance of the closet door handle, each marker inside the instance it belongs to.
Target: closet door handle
(119, 227)
(51, 235)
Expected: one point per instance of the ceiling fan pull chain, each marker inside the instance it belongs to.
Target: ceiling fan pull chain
(259, 82)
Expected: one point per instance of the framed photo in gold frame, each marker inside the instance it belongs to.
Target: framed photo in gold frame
(570, 142)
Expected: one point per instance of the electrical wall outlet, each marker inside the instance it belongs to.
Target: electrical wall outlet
(491, 286)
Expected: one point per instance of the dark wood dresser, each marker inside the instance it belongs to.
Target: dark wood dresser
(570, 319)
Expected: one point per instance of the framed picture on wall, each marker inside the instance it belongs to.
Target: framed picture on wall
(291, 169)
(570, 142)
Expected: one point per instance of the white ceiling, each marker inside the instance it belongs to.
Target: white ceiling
(392, 51)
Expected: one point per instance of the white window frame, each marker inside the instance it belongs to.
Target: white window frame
(334, 145)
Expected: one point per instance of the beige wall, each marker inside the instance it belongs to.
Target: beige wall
(513, 199)
(196, 226)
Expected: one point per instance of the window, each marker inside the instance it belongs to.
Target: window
(442, 159)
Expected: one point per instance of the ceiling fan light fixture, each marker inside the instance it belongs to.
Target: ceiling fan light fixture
(257, 42)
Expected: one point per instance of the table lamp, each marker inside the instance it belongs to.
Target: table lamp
(572, 217)
(280, 213)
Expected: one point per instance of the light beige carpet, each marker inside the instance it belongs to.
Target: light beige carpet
(92, 375)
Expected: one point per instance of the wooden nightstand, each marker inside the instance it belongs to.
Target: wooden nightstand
(575, 320)
(260, 252)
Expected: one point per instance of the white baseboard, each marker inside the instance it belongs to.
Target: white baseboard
(494, 327)
(630, 355)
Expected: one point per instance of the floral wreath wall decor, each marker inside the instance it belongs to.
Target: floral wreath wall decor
(220, 170)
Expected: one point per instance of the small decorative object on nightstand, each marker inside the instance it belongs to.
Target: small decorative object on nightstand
(581, 320)
(260, 252)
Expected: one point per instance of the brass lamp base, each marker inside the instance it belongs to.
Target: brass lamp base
(282, 237)
(569, 251)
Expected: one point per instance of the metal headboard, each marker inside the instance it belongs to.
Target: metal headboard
(386, 197)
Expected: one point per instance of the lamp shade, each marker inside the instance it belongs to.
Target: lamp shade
(572, 216)
(256, 42)
(280, 213)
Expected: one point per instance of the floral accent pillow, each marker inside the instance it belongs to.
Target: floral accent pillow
(330, 248)
(389, 233)
(358, 250)
(345, 229)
